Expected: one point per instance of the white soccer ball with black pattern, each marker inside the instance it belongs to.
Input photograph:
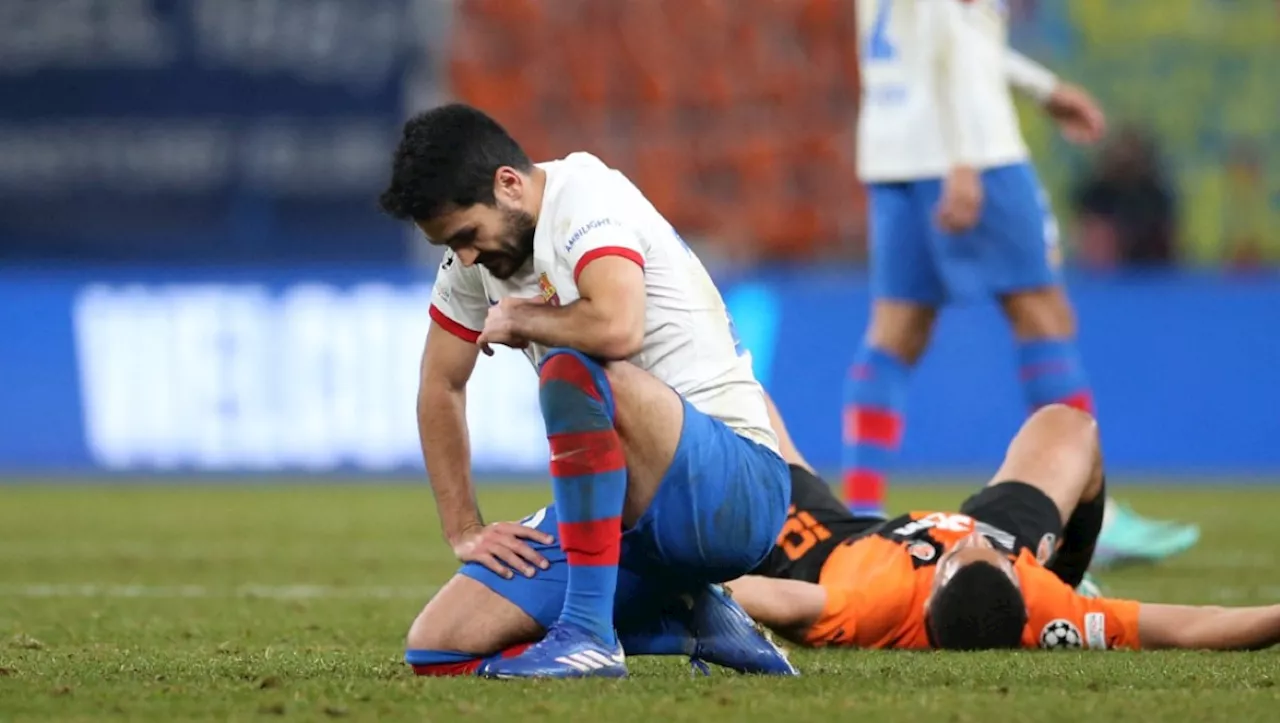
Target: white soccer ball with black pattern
(1060, 635)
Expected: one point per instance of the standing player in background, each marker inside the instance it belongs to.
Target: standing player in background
(957, 213)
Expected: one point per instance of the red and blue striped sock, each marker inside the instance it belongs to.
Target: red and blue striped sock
(589, 478)
(1051, 372)
(874, 394)
(445, 664)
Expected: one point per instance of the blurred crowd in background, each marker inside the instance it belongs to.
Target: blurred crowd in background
(259, 131)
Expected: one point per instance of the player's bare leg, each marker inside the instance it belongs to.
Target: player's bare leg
(464, 624)
(649, 418)
(901, 328)
(896, 338)
(1057, 450)
(1044, 324)
(1037, 314)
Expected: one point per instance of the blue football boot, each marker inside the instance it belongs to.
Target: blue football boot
(725, 635)
(567, 651)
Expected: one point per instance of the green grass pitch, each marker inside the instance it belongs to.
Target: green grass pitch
(236, 602)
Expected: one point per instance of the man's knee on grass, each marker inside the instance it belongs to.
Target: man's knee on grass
(468, 620)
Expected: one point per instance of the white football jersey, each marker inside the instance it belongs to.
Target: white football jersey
(934, 88)
(590, 210)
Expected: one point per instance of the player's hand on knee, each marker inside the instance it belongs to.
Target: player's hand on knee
(961, 201)
(501, 547)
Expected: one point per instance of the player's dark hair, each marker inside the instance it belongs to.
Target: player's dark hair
(448, 157)
(979, 608)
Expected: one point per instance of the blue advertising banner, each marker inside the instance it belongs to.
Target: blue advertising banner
(237, 371)
(204, 129)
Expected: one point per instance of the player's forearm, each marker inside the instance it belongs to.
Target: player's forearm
(1208, 628)
(788, 607)
(582, 325)
(1029, 77)
(446, 449)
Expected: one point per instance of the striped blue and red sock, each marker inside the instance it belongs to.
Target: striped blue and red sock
(874, 394)
(444, 663)
(1051, 372)
(589, 478)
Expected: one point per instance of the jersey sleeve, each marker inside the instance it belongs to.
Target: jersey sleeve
(458, 301)
(870, 586)
(1058, 617)
(838, 623)
(596, 230)
(1029, 76)
(963, 51)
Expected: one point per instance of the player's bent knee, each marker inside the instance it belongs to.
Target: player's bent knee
(1058, 431)
(571, 365)
(437, 628)
(1067, 420)
(563, 355)
(465, 616)
(426, 633)
(574, 391)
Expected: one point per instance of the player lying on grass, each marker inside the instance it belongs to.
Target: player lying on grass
(849, 581)
(654, 418)
(1000, 573)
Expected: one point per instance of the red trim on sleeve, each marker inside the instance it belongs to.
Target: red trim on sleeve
(603, 251)
(452, 326)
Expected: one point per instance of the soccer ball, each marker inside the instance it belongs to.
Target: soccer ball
(1060, 635)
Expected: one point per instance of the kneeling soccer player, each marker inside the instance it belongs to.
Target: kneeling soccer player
(655, 422)
(997, 574)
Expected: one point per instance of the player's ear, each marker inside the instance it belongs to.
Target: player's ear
(508, 185)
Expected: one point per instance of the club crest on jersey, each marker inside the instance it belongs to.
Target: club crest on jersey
(549, 294)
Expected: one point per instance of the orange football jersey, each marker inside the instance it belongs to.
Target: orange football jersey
(877, 585)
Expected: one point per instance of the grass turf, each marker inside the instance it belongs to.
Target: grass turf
(260, 603)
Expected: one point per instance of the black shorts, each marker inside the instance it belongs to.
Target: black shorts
(1021, 510)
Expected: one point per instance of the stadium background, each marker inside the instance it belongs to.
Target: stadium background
(195, 277)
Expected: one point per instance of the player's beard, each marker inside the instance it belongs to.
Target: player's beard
(516, 242)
